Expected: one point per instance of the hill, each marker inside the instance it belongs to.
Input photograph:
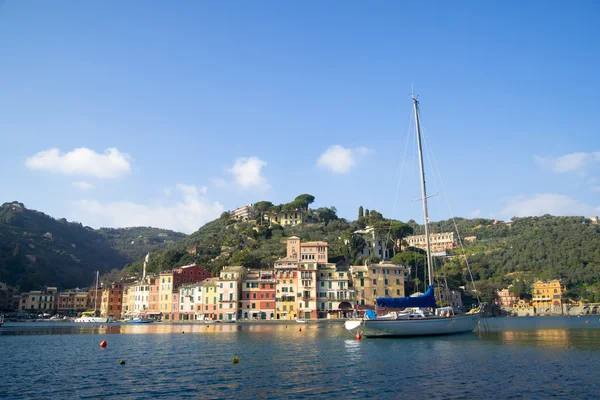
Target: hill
(37, 250)
(518, 252)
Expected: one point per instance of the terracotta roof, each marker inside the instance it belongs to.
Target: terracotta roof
(306, 244)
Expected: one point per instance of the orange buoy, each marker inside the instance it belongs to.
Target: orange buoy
(103, 343)
(358, 336)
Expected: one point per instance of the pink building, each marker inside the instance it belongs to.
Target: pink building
(505, 299)
(453, 297)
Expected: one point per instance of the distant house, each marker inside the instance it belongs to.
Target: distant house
(375, 243)
(470, 239)
(505, 299)
(547, 297)
(243, 213)
(439, 242)
(594, 220)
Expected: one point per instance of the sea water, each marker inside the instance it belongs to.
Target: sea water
(512, 358)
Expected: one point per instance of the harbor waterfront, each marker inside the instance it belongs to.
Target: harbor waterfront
(528, 357)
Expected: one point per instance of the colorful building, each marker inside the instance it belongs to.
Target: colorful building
(547, 297)
(72, 302)
(210, 295)
(374, 281)
(286, 283)
(230, 286)
(44, 301)
(505, 299)
(112, 300)
(335, 296)
(258, 295)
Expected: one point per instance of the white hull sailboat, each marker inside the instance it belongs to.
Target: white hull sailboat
(419, 319)
(91, 316)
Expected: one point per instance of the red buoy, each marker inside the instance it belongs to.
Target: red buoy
(300, 329)
(110, 327)
(103, 343)
(358, 336)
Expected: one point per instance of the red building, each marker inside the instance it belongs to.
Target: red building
(188, 274)
(258, 295)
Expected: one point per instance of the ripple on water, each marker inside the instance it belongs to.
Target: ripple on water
(279, 362)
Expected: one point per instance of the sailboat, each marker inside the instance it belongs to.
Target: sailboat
(92, 316)
(421, 317)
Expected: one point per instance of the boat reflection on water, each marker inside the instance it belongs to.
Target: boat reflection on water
(580, 339)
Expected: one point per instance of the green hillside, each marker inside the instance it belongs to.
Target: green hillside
(37, 250)
(518, 252)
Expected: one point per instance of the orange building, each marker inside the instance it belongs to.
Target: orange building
(112, 301)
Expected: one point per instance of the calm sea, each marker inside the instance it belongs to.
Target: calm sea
(518, 358)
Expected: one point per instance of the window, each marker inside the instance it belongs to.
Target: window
(374, 281)
(253, 305)
(397, 281)
(231, 285)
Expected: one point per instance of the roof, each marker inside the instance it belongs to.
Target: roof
(210, 282)
(293, 237)
(233, 268)
(306, 244)
(287, 259)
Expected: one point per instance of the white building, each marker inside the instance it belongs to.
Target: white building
(375, 243)
(243, 213)
(335, 296)
(230, 289)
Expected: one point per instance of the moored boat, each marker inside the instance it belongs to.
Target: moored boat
(420, 316)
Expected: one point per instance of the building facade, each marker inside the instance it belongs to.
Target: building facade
(258, 295)
(374, 281)
(243, 213)
(547, 297)
(286, 283)
(336, 297)
(439, 242)
(505, 299)
(375, 243)
(112, 300)
(230, 287)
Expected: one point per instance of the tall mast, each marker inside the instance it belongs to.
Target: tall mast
(423, 192)
(96, 293)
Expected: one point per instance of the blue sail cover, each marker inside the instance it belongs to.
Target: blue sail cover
(425, 300)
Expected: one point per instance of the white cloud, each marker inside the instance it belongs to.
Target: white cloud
(247, 173)
(186, 215)
(82, 162)
(573, 163)
(546, 203)
(341, 160)
(82, 185)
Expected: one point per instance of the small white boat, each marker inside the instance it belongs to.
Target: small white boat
(301, 321)
(92, 316)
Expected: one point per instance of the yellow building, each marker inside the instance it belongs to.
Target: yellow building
(286, 278)
(210, 303)
(335, 295)
(547, 297)
(165, 294)
(285, 218)
(376, 280)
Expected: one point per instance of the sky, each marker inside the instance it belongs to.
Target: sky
(166, 114)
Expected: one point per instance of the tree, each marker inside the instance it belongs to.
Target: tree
(305, 200)
(325, 214)
(361, 213)
(367, 213)
(262, 207)
(398, 231)
(375, 217)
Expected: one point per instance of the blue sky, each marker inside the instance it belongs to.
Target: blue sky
(166, 114)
